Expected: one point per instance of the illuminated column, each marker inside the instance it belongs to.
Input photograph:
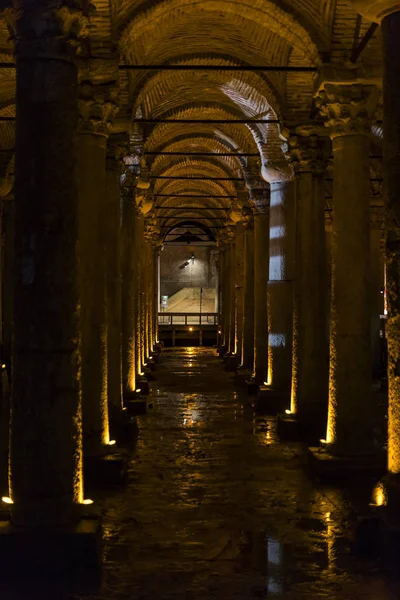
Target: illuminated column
(261, 200)
(310, 343)
(156, 293)
(146, 297)
(377, 268)
(232, 293)
(280, 284)
(46, 423)
(116, 147)
(129, 285)
(141, 254)
(350, 420)
(224, 262)
(96, 110)
(138, 295)
(239, 289)
(248, 295)
(391, 156)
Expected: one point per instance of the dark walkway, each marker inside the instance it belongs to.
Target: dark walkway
(216, 508)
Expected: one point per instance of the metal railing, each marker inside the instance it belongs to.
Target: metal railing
(188, 318)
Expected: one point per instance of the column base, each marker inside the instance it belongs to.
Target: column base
(221, 350)
(232, 363)
(336, 469)
(143, 386)
(148, 374)
(137, 406)
(106, 471)
(242, 376)
(252, 387)
(155, 357)
(290, 428)
(46, 552)
(151, 365)
(126, 429)
(270, 401)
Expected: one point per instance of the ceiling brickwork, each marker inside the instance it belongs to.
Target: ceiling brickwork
(242, 33)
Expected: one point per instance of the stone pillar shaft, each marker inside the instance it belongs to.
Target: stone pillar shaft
(128, 298)
(280, 285)
(232, 298)
(46, 422)
(113, 288)
(239, 289)
(91, 189)
(391, 155)
(310, 343)
(349, 417)
(248, 297)
(261, 275)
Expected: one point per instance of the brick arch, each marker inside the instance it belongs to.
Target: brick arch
(299, 25)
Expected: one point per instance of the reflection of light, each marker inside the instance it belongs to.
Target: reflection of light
(379, 497)
(3, 366)
(277, 340)
(274, 552)
(219, 332)
(7, 500)
(276, 232)
(328, 516)
(276, 268)
(87, 501)
(288, 412)
(138, 390)
(190, 328)
(112, 442)
(268, 435)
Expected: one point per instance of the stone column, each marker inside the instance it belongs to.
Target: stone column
(232, 294)
(141, 252)
(224, 270)
(156, 308)
(116, 147)
(350, 416)
(96, 110)
(128, 286)
(377, 283)
(46, 423)
(309, 398)
(391, 156)
(239, 289)
(248, 294)
(261, 200)
(138, 295)
(280, 285)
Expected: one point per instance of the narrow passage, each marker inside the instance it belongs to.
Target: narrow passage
(216, 507)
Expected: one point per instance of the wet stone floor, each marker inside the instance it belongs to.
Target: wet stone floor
(217, 508)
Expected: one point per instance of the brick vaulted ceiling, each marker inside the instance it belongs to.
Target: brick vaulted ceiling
(217, 32)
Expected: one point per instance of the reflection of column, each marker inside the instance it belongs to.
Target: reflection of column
(248, 295)
(115, 150)
(261, 199)
(280, 284)
(46, 436)
(310, 343)
(95, 112)
(350, 420)
(239, 289)
(377, 266)
(128, 295)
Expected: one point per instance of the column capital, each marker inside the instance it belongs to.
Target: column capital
(348, 108)
(260, 198)
(117, 148)
(308, 154)
(97, 105)
(48, 29)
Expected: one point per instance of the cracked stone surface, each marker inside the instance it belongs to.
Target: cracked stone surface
(217, 508)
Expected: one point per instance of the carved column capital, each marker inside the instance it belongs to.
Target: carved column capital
(260, 198)
(97, 107)
(348, 108)
(48, 29)
(308, 154)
